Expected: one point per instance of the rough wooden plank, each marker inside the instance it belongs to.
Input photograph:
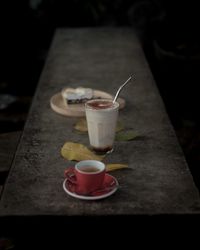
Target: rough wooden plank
(158, 181)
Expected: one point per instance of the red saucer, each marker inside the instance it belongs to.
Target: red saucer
(109, 187)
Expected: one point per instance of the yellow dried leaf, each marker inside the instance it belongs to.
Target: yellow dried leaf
(119, 126)
(126, 135)
(115, 166)
(81, 125)
(78, 152)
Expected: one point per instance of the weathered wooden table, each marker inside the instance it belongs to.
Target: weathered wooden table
(158, 180)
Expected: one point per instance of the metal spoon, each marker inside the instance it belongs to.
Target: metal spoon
(120, 88)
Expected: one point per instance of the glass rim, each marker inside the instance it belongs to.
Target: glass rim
(114, 106)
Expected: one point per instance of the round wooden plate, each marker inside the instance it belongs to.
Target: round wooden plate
(78, 110)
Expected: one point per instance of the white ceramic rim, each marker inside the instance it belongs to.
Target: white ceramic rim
(98, 164)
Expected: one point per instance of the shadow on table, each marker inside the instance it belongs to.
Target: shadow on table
(45, 232)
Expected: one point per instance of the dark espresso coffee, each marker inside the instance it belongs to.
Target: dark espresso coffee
(89, 169)
(100, 104)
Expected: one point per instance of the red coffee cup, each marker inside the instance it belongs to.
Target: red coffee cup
(87, 176)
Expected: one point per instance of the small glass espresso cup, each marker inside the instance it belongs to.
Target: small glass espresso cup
(87, 176)
(101, 116)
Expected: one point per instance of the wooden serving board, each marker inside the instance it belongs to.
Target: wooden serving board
(77, 110)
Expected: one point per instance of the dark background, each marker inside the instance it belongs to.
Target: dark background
(170, 36)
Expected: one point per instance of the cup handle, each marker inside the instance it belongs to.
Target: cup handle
(70, 175)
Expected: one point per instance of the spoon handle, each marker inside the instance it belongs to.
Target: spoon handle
(114, 100)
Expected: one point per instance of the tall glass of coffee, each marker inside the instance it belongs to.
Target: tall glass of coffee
(101, 116)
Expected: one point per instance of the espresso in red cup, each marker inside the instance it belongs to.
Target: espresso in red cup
(101, 116)
(87, 176)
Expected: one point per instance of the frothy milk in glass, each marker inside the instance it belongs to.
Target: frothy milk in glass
(101, 116)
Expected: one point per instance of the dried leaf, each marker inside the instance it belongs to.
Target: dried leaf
(78, 152)
(120, 126)
(126, 135)
(115, 166)
(81, 125)
(80, 132)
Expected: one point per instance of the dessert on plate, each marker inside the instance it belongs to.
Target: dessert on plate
(77, 96)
